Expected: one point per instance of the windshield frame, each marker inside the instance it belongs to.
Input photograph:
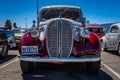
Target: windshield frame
(64, 9)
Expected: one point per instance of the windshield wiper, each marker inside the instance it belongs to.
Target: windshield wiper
(60, 15)
(46, 12)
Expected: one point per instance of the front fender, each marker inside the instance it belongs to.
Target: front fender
(94, 40)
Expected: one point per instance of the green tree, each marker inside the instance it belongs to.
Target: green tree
(8, 24)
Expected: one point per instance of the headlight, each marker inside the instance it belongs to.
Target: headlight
(83, 33)
(34, 32)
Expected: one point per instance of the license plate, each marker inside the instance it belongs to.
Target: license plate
(29, 49)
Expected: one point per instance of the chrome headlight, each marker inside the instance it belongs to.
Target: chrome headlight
(34, 32)
(83, 33)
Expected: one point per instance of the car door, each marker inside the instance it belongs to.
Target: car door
(112, 37)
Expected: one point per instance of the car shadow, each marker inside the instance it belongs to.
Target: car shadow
(69, 71)
(14, 48)
(112, 52)
(7, 58)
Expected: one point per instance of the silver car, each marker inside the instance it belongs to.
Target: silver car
(111, 40)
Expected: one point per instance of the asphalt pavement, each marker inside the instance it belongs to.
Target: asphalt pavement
(10, 69)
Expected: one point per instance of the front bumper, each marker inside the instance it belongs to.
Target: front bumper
(71, 59)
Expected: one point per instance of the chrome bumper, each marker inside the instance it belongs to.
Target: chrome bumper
(48, 59)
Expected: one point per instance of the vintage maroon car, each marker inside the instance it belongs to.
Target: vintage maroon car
(60, 38)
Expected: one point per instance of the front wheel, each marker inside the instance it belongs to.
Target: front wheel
(26, 66)
(119, 50)
(94, 67)
(4, 50)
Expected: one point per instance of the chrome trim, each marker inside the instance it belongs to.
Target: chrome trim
(72, 40)
(57, 37)
(48, 59)
(60, 37)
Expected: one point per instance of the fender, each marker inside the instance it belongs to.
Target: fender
(94, 40)
(26, 40)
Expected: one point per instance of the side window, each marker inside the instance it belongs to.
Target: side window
(108, 30)
(114, 29)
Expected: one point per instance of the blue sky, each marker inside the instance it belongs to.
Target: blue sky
(96, 11)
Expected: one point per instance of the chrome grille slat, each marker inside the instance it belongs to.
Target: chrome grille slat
(59, 38)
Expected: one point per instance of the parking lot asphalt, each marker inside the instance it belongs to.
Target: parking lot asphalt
(10, 69)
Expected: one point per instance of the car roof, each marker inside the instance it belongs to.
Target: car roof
(61, 6)
(118, 24)
(5, 28)
(94, 27)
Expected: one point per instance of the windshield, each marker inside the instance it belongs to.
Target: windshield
(95, 30)
(63, 13)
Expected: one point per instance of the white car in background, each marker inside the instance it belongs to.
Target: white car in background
(19, 32)
(111, 40)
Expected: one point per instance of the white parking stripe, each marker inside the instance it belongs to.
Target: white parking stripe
(110, 69)
(9, 63)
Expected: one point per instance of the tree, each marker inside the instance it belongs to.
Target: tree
(8, 24)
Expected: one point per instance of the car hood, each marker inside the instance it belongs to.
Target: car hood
(50, 20)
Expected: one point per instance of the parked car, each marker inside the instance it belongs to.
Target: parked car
(60, 37)
(111, 40)
(10, 36)
(97, 30)
(19, 33)
(3, 43)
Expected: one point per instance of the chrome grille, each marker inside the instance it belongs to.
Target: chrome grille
(59, 38)
(66, 39)
(52, 39)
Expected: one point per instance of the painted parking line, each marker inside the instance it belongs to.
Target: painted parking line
(8, 63)
(110, 69)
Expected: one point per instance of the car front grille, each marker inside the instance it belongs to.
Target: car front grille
(59, 38)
